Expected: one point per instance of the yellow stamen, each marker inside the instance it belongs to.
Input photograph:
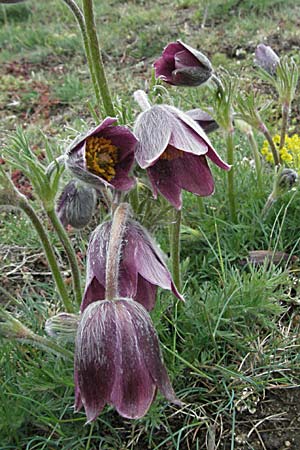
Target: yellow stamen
(171, 153)
(101, 157)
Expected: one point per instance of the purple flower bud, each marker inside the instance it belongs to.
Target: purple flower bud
(104, 156)
(11, 1)
(182, 65)
(118, 360)
(266, 58)
(203, 119)
(76, 204)
(173, 149)
(142, 266)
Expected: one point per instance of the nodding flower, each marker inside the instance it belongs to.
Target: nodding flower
(141, 267)
(118, 360)
(173, 148)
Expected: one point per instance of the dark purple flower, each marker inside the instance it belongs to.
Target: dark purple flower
(104, 155)
(76, 204)
(182, 65)
(118, 360)
(266, 58)
(203, 119)
(173, 149)
(142, 266)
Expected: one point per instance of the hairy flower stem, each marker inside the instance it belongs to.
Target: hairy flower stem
(175, 247)
(230, 174)
(285, 122)
(266, 133)
(258, 168)
(96, 57)
(61, 287)
(117, 231)
(80, 20)
(64, 239)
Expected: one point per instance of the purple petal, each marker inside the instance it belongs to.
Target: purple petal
(133, 389)
(266, 58)
(153, 131)
(146, 293)
(95, 350)
(194, 175)
(203, 119)
(94, 291)
(148, 342)
(185, 58)
(165, 65)
(200, 57)
(164, 181)
(215, 158)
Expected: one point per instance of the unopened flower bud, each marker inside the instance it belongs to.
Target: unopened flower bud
(287, 179)
(182, 65)
(11, 1)
(76, 204)
(266, 58)
(62, 326)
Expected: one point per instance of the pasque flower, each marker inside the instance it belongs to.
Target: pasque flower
(266, 58)
(182, 65)
(118, 360)
(103, 156)
(76, 204)
(142, 267)
(173, 148)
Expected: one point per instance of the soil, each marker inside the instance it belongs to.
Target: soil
(274, 426)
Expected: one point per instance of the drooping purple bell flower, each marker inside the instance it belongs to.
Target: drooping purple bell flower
(266, 58)
(118, 360)
(103, 156)
(142, 267)
(76, 204)
(173, 148)
(203, 119)
(182, 65)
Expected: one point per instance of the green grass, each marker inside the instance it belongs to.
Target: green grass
(237, 328)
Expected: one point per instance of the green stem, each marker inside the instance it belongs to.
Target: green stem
(80, 20)
(273, 148)
(230, 175)
(61, 287)
(258, 168)
(201, 206)
(285, 121)
(96, 57)
(64, 238)
(175, 247)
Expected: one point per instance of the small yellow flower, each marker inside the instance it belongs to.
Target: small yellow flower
(290, 153)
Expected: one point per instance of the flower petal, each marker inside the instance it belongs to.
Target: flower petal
(193, 174)
(133, 389)
(163, 180)
(153, 131)
(165, 65)
(148, 342)
(95, 349)
(215, 158)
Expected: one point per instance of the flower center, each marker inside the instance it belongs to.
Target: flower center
(101, 157)
(171, 153)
